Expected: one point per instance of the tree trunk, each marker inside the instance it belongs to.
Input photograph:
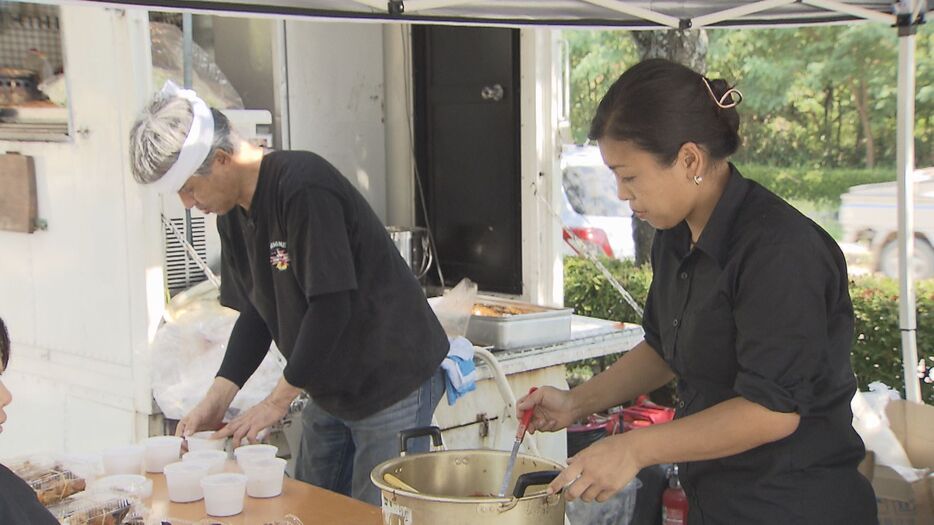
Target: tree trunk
(828, 125)
(685, 47)
(839, 141)
(861, 96)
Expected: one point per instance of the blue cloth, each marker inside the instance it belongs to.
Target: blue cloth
(460, 373)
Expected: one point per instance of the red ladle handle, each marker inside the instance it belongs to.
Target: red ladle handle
(526, 419)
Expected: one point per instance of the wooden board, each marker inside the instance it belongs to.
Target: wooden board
(313, 505)
(18, 202)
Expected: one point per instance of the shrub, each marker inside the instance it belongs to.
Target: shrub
(876, 353)
(819, 185)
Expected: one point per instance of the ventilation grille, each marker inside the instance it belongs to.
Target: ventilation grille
(181, 271)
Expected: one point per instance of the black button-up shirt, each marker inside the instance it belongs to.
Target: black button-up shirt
(760, 308)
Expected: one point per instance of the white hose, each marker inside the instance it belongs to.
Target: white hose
(505, 391)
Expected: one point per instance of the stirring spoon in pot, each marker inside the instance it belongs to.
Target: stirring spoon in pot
(398, 483)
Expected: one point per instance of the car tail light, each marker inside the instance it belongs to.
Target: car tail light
(594, 236)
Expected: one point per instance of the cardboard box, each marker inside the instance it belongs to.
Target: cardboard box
(901, 502)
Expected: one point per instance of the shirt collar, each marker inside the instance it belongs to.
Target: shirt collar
(258, 193)
(715, 238)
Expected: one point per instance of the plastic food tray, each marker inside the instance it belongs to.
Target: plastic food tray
(535, 326)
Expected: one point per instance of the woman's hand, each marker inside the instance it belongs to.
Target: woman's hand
(554, 409)
(598, 471)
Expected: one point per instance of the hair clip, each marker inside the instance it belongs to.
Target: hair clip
(726, 96)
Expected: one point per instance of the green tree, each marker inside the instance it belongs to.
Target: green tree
(597, 59)
(815, 97)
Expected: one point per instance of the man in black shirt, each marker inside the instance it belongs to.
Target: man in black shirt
(749, 309)
(308, 264)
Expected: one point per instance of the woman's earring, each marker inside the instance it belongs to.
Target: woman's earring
(698, 179)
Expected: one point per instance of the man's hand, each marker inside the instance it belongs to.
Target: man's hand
(209, 413)
(262, 416)
(250, 423)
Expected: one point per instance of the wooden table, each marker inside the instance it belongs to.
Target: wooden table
(313, 505)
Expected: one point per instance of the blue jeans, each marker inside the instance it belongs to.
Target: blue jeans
(338, 455)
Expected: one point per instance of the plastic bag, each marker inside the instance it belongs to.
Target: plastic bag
(455, 308)
(872, 425)
(207, 79)
(188, 350)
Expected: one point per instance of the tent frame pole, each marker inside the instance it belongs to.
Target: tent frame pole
(640, 12)
(852, 10)
(907, 312)
(736, 12)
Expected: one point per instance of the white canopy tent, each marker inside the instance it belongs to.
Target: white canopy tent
(903, 15)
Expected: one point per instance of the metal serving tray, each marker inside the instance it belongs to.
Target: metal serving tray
(542, 325)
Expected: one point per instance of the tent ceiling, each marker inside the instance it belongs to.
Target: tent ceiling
(632, 14)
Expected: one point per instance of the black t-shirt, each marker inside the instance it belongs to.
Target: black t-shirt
(760, 308)
(310, 233)
(18, 502)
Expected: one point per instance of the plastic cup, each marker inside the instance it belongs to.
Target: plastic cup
(123, 460)
(254, 451)
(215, 459)
(160, 451)
(264, 476)
(202, 441)
(129, 484)
(183, 480)
(224, 494)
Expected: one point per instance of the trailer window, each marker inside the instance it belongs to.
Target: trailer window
(33, 103)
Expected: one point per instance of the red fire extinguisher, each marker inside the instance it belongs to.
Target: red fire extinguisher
(674, 501)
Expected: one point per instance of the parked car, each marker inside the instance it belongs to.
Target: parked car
(590, 207)
(869, 214)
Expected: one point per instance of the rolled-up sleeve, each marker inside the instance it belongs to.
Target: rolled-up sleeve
(781, 313)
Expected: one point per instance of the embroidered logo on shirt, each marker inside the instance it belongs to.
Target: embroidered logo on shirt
(279, 255)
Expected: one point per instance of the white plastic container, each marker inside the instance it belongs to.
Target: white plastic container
(160, 451)
(224, 494)
(202, 441)
(215, 459)
(183, 480)
(87, 466)
(264, 476)
(129, 484)
(254, 451)
(123, 460)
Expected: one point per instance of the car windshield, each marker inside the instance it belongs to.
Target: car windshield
(591, 190)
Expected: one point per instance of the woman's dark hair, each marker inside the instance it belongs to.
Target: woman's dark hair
(660, 105)
(4, 345)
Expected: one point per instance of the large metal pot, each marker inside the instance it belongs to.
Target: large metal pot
(413, 244)
(458, 487)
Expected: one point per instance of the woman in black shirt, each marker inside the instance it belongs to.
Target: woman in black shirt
(18, 502)
(748, 309)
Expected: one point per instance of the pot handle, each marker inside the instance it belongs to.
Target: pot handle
(412, 433)
(531, 479)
